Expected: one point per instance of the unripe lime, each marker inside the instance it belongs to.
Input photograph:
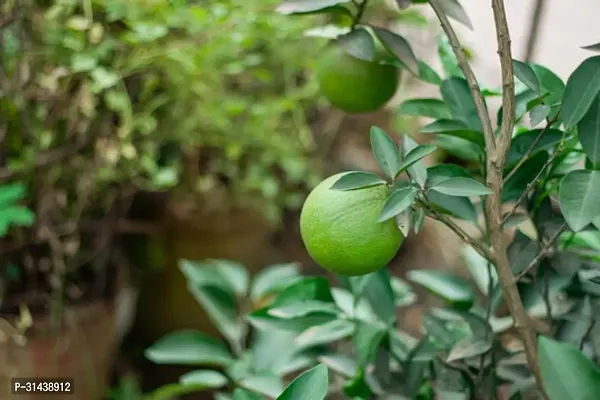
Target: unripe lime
(354, 85)
(341, 232)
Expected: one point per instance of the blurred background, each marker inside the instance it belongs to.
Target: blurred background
(136, 133)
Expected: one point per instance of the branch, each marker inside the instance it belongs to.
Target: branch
(488, 131)
(538, 11)
(478, 246)
(496, 149)
(508, 83)
(495, 168)
(543, 252)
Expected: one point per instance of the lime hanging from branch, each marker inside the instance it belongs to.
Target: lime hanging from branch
(341, 232)
(356, 85)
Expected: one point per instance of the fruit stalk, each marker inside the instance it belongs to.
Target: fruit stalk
(362, 6)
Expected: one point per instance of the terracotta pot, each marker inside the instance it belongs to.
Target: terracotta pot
(83, 351)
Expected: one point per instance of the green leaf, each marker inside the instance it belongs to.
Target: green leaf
(578, 198)
(575, 330)
(521, 144)
(454, 10)
(234, 273)
(460, 207)
(417, 171)
(385, 151)
(469, 347)
(415, 155)
(359, 44)
(11, 193)
(441, 171)
(449, 287)
(404, 221)
(582, 87)
(478, 268)
(273, 279)
(432, 108)
(310, 288)
(441, 337)
(403, 293)
(456, 93)
(205, 273)
(243, 394)
(526, 75)
(260, 319)
(173, 390)
(339, 363)
(516, 185)
(455, 128)
(551, 84)
(399, 47)
(418, 220)
(266, 384)
(302, 308)
(428, 74)
(461, 187)
(329, 31)
(398, 202)
(524, 102)
(459, 148)
(538, 114)
(448, 58)
(367, 338)
(521, 252)
(103, 79)
(566, 372)
(326, 333)
(221, 307)
(188, 348)
(311, 385)
(588, 131)
(380, 295)
(592, 47)
(271, 351)
(357, 180)
(206, 379)
(15, 215)
(306, 6)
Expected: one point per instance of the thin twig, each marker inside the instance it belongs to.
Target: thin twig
(534, 29)
(529, 151)
(542, 253)
(546, 296)
(535, 180)
(123, 226)
(587, 332)
(46, 159)
(463, 62)
(361, 11)
(478, 246)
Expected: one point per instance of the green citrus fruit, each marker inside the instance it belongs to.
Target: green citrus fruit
(354, 85)
(340, 229)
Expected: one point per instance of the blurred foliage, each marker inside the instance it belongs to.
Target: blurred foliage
(100, 99)
(127, 82)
